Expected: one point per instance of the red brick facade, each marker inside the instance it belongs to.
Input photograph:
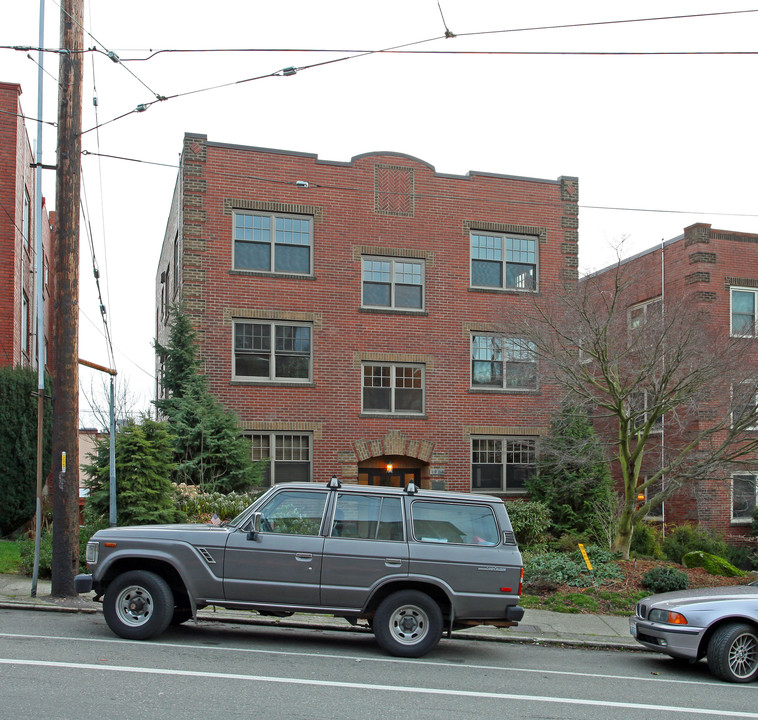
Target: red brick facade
(373, 295)
(18, 302)
(708, 266)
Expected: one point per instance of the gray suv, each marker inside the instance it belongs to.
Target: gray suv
(411, 563)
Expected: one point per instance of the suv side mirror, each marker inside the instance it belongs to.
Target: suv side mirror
(255, 526)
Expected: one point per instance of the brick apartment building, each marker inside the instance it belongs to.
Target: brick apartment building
(718, 269)
(350, 313)
(18, 301)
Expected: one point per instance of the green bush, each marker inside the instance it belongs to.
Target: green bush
(713, 564)
(755, 522)
(530, 520)
(46, 550)
(549, 570)
(744, 558)
(688, 538)
(646, 541)
(665, 579)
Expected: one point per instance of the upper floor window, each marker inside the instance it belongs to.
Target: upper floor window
(502, 464)
(273, 243)
(272, 351)
(392, 283)
(503, 261)
(502, 362)
(744, 497)
(745, 405)
(24, 324)
(26, 219)
(743, 312)
(393, 388)
(641, 404)
(643, 313)
(288, 456)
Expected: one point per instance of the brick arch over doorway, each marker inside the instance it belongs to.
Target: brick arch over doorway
(369, 458)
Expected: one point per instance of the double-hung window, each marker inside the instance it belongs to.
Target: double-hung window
(393, 388)
(393, 283)
(288, 455)
(745, 405)
(503, 363)
(744, 304)
(641, 404)
(639, 315)
(503, 261)
(502, 464)
(273, 243)
(272, 351)
(744, 497)
(26, 219)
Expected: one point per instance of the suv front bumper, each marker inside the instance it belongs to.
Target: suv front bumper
(83, 583)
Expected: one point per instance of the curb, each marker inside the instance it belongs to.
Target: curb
(299, 625)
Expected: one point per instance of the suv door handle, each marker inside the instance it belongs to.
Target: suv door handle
(304, 557)
(392, 562)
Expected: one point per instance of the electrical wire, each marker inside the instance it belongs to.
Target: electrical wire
(427, 196)
(30, 119)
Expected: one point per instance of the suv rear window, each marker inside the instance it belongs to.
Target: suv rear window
(446, 522)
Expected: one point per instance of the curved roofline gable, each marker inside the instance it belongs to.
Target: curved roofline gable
(389, 153)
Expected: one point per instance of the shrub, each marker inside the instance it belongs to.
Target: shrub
(549, 570)
(712, 564)
(743, 557)
(200, 507)
(46, 549)
(530, 520)
(688, 538)
(646, 541)
(755, 522)
(665, 579)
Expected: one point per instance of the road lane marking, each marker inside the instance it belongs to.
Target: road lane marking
(369, 686)
(390, 660)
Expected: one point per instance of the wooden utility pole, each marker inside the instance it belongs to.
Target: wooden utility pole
(66, 377)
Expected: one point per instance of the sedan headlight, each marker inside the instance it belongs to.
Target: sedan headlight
(93, 552)
(666, 616)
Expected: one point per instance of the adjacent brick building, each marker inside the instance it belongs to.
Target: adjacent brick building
(350, 313)
(718, 269)
(18, 300)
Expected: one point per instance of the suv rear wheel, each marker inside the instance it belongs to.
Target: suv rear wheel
(408, 623)
(138, 605)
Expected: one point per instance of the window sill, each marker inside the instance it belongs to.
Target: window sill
(504, 391)
(741, 522)
(394, 416)
(499, 492)
(502, 291)
(272, 383)
(392, 311)
(276, 275)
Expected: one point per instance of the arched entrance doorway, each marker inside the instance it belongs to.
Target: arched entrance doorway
(390, 470)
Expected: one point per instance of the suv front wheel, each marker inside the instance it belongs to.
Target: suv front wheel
(138, 605)
(408, 623)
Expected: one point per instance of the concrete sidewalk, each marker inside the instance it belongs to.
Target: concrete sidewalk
(538, 626)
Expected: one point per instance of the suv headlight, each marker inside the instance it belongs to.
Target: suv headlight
(93, 552)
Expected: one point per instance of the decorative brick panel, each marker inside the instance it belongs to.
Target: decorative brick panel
(232, 204)
(702, 257)
(393, 190)
(697, 277)
(699, 233)
(540, 232)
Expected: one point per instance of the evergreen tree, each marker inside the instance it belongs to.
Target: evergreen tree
(18, 446)
(573, 477)
(209, 450)
(144, 493)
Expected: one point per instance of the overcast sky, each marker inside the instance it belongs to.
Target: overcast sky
(658, 141)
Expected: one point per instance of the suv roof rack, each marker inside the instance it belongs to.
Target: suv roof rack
(334, 483)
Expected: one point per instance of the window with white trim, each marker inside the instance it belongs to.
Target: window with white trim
(744, 497)
(393, 283)
(745, 404)
(503, 261)
(502, 464)
(640, 405)
(743, 312)
(639, 315)
(503, 363)
(393, 388)
(26, 219)
(289, 456)
(656, 513)
(24, 324)
(272, 351)
(273, 243)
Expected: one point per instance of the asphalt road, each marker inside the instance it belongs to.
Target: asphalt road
(65, 666)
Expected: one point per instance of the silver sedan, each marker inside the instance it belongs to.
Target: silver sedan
(718, 623)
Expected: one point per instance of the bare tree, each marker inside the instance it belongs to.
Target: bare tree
(97, 397)
(674, 396)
